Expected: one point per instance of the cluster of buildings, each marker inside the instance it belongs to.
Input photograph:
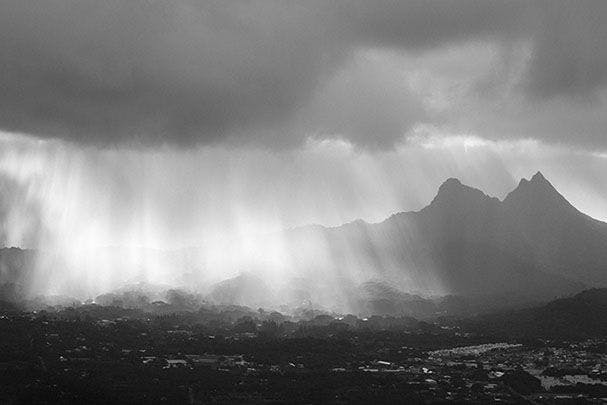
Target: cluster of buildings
(210, 361)
(537, 372)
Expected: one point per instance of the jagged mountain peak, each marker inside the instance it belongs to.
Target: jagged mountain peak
(538, 177)
(451, 183)
(453, 192)
(538, 192)
(453, 186)
(537, 180)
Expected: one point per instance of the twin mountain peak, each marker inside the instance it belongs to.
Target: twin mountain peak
(532, 241)
(536, 192)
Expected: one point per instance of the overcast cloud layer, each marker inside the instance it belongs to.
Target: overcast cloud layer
(275, 73)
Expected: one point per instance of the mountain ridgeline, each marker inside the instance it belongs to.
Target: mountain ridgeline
(582, 315)
(532, 246)
(534, 243)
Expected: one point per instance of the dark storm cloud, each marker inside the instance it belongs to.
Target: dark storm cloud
(570, 50)
(178, 71)
(197, 72)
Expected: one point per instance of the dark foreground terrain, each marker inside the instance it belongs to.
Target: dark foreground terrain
(93, 354)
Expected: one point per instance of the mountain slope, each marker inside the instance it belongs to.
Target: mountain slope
(564, 240)
(584, 314)
(534, 243)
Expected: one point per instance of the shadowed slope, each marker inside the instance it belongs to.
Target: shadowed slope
(534, 244)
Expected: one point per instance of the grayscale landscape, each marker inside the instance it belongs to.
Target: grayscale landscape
(307, 202)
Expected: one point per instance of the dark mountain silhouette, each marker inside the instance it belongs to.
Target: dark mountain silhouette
(533, 243)
(582, 315)
(563, 240)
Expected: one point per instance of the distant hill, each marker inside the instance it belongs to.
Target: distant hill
(244, 289)
(583, 315)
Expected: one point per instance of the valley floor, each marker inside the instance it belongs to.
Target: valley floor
(77, 357)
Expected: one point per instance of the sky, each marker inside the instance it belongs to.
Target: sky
(169, 124)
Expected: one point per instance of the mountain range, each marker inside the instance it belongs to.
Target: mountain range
(533, 245)
(534, 242)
